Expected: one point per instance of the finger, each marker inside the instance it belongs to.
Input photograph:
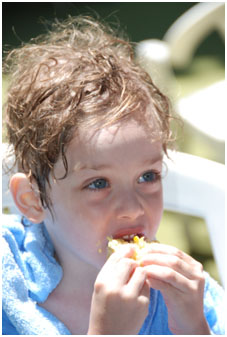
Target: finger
(122, 251)
(124, 270)
(117, 275)
(171, 261)
(169, 276)
(164, 287)
(144, 297)
(170, 250)
(119, 267)
(137, 281)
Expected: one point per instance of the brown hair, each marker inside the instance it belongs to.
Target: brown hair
(78, 74)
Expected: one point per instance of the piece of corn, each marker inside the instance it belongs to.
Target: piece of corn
(141, 246)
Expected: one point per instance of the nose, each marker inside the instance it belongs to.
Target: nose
(129, 205)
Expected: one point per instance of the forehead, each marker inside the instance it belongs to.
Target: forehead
(115, 135)
(126, 140)
(137, 123)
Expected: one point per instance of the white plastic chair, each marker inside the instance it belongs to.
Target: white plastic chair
(195, 186)
(191, 186)
(204, 110)
(187, 32)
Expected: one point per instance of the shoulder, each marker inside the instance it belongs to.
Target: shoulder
(12, 236)
(214, 310)
(24, 236)
(11, 223)
(28, 250)
(30, 273)
(14, 233)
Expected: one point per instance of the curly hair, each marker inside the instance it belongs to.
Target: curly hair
(80, 73)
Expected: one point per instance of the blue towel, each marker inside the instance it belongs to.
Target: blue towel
(30, 274)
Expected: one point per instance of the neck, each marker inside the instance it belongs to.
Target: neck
(70, 301)
(76, 272)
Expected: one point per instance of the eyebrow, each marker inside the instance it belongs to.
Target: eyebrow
(81, 167)
(153, 160)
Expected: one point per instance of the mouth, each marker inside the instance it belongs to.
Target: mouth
(129, 233)
(140, 244)
(129, 237)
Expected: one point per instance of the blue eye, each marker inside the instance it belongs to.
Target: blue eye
(149, 177)
(98, 184)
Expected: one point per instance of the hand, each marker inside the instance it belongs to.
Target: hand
(121, 296)
(181, 281)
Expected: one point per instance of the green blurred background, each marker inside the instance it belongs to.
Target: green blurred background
(144, 20)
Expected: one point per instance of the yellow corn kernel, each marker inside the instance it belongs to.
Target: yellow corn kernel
(136, 239)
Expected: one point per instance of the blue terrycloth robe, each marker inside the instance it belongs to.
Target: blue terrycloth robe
(30, 273)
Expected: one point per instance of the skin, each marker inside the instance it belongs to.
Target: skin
(113, 188)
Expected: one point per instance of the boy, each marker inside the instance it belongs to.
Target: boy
(89, 129)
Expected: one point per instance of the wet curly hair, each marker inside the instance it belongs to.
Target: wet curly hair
(80, 73)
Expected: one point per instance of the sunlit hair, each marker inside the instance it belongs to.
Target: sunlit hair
(78, 75)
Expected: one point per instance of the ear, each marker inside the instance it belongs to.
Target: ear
(25, 198)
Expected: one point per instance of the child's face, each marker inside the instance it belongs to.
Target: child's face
(112, 189)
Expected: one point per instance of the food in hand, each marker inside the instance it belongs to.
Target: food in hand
(139, 243)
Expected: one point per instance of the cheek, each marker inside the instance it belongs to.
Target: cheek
(72, 232)
(159, 204)
(95, 209)
(79, 219)
(156, 208)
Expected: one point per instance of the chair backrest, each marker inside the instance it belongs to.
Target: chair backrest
(192, 185)
(187, 32)
(158, 57)
(196, 186)
(178, 46)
